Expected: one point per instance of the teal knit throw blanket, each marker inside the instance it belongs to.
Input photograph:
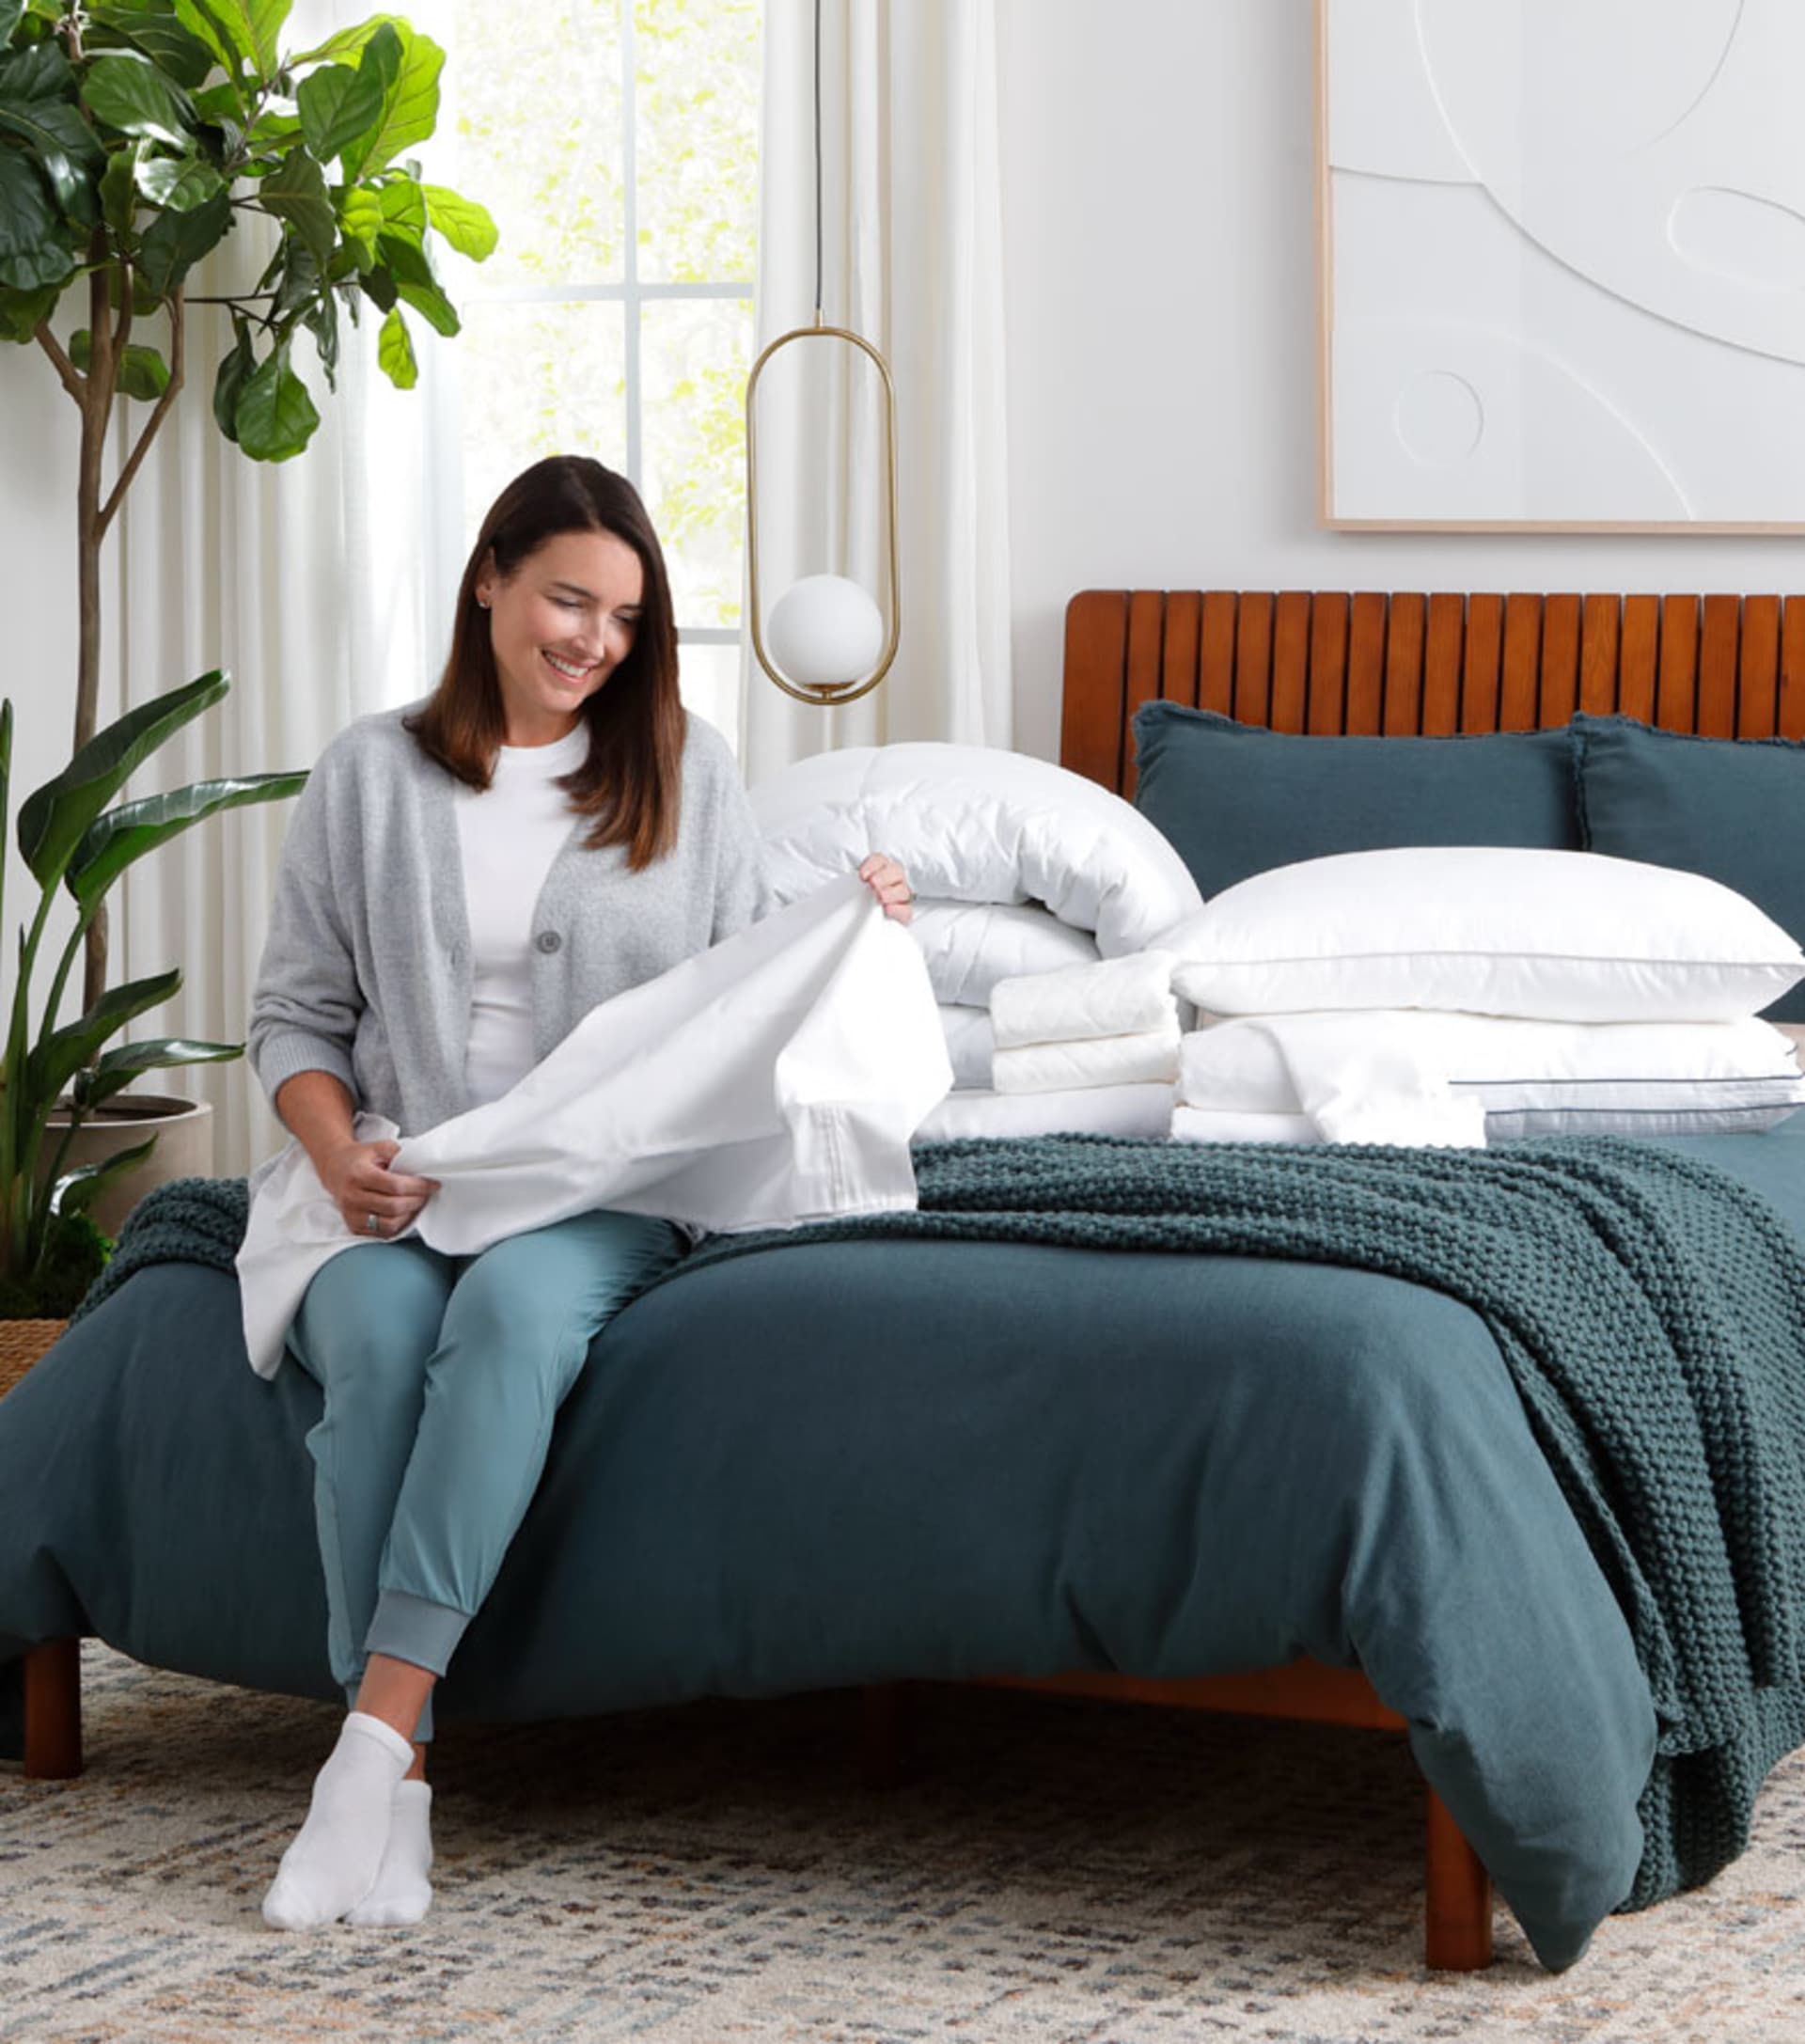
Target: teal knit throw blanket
(185, 1220)
(1650, 1309)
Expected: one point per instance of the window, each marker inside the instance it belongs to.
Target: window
(616, 146)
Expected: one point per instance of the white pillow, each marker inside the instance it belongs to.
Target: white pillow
(1567, 936)
(975, 824)
(1532, 1078)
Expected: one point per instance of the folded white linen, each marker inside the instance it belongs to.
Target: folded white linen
(1532, 1078)
(1092, 1110)
(772, 1080)
(1148, 1056)
(1216, 1124)
(971, 1044)
(1116, 996)
(969, 946)
(1358, 1074)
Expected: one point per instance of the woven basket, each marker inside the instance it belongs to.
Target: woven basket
(22, 1342)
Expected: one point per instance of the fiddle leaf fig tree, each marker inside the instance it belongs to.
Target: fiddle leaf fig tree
(135, 136)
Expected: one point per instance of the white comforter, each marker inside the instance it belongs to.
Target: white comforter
(772, 1080)
(975, 824)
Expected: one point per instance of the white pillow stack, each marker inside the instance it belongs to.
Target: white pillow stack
(1569, 992)
(1020, 868)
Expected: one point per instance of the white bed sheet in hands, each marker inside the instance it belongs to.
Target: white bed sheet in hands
(772, 1080)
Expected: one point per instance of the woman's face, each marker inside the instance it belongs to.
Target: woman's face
(559, 625)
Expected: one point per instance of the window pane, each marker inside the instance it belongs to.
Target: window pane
(696, 115)
(540, 139)
(708, 676)
(694, 358)
(538, 379)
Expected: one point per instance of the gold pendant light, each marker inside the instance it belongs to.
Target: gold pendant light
(829, 642)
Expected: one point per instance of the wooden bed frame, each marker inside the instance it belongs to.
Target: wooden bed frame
(1722, 666)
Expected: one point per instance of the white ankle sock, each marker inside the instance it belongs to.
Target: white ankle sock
(402, 1894)
(332, 1860)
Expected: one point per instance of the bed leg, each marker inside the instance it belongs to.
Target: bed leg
(1458, 1915)
(887, 1715)
(52, 1745)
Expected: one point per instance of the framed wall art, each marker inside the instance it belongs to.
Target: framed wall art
(1562, 265)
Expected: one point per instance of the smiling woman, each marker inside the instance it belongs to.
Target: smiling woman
(462, 883)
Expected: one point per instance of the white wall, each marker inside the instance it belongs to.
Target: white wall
(1158, 161)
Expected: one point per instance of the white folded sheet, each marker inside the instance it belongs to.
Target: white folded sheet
(1147, 1057)
(774, 1079)
(1356, 1075)
(1091, 1111)
(1116, 996)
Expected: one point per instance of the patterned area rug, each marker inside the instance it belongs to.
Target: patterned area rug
(1054, 1870)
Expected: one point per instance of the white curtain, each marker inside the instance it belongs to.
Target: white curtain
(912, 261)
(302, 579)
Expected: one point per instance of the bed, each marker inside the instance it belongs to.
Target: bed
(873, 1465)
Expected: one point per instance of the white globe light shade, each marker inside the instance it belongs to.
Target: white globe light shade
(824, 629)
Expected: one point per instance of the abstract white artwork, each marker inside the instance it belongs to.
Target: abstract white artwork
(1563, 263)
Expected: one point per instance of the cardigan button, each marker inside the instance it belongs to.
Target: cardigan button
(548, 941)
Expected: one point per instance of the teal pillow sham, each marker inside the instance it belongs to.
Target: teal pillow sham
(1732, 809)
(1237, 799)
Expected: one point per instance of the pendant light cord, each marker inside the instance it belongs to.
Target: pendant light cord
(818, 319)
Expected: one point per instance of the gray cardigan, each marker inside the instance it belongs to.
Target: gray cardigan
(365, 972)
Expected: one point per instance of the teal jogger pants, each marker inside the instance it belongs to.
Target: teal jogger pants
(442, 1375)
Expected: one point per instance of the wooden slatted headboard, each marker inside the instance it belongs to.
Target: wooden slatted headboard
(1298, 660)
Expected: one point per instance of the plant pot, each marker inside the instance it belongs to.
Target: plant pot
(184, 1132)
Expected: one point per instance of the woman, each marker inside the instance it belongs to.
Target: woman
(460, 885)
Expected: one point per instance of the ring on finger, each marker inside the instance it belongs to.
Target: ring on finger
(372, 1225)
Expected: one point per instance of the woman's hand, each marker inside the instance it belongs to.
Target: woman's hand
(890, 884)
(373, 1199)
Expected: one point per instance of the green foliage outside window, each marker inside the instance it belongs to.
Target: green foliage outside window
(544, 372)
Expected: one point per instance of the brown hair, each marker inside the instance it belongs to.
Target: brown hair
(630, 781)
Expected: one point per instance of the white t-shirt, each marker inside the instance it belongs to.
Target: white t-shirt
(509, 835)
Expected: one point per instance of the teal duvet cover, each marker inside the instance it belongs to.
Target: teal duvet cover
(842, 1462)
